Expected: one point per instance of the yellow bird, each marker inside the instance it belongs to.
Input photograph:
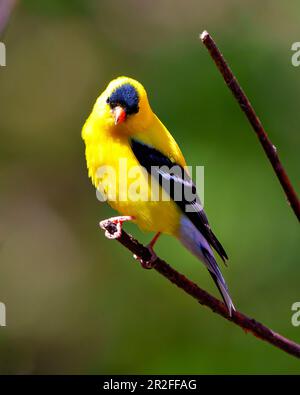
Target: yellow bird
(131, 157)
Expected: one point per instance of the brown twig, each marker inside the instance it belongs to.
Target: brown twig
(203, 297)
(246, 106)
(6, 8)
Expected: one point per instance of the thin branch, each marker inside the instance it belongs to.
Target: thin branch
(6, 8)
(203, 297)
(246, 106)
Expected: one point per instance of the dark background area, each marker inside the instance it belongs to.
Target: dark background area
(78, 303)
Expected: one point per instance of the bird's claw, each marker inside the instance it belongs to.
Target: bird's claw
(150, 263)
(118, 222)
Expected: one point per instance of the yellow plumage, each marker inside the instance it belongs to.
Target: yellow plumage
(107, 143)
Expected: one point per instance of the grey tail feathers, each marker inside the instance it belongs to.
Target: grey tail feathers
(216, 275)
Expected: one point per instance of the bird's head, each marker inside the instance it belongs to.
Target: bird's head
(124, 106)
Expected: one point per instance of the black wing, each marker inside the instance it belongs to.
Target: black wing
(180, 187)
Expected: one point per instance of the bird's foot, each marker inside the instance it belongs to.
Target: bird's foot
(118, 221)
(149, 263)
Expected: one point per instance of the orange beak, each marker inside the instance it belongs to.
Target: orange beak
(119, 115)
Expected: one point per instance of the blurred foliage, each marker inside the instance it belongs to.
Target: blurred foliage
(77, 303)
(60, 8)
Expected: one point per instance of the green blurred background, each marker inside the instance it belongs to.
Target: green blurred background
(78, 303)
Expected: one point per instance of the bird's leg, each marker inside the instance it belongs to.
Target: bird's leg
(118, 221)
(149, 263)
(154, 240)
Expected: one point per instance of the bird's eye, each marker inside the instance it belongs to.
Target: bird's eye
(107, 100)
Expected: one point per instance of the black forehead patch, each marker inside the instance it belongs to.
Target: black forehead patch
(125, 96)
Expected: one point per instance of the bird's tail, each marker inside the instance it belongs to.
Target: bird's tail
(218, 278)
(192, 239)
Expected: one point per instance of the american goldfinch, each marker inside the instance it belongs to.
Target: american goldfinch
(123, 134)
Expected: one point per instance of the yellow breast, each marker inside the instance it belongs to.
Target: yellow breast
(127, 187)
